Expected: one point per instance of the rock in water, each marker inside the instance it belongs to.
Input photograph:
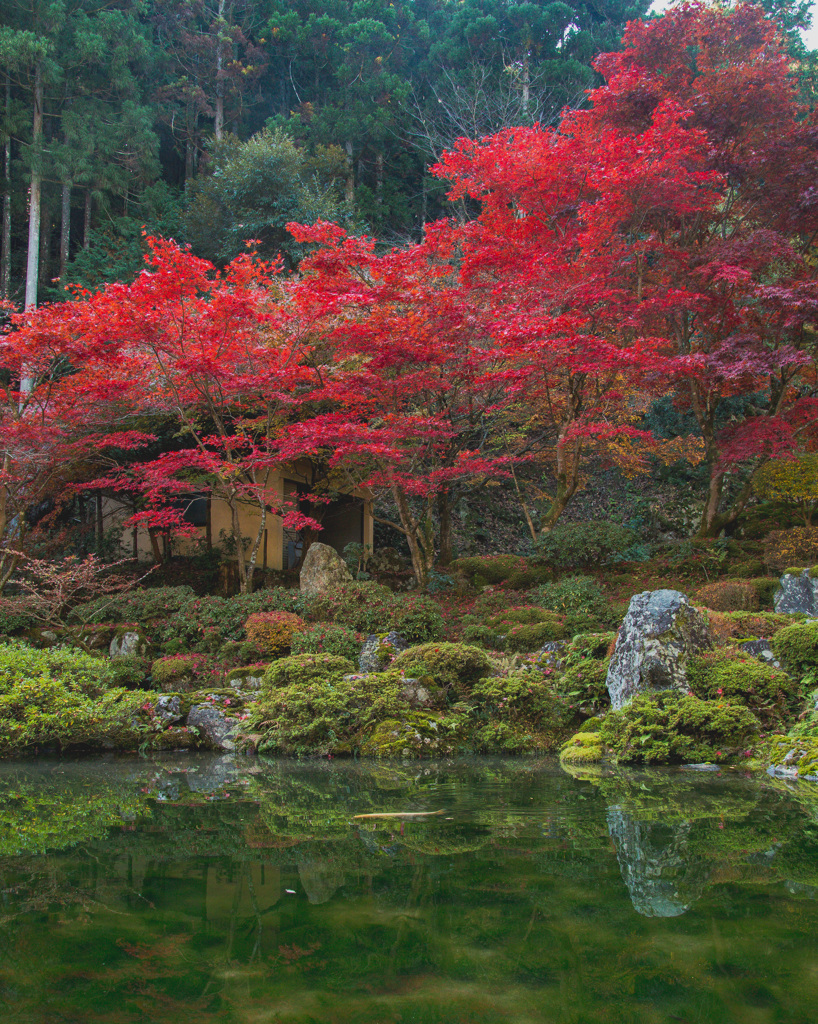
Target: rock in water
(797, 593)
(660, 633)
(323, 571)
(213, 727)
(379, 650)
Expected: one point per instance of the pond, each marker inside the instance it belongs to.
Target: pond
(215, 889)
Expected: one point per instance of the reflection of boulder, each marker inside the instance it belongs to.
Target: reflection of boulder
(663, 877)
(212, 775)
(320, 878)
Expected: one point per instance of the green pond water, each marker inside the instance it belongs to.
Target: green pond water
(207, 889)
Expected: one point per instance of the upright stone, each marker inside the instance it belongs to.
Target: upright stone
(797, 592)
(660, 633)
(323, 571)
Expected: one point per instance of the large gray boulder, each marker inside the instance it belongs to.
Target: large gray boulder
(323, 571)
(660, 633)
(797, 593)
(213, 726)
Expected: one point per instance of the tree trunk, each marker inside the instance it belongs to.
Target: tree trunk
(153, 534)
(379, 179)
(86, 222)
(245, 584)
(350, 182)
(218, 124)
(5, 263)
(33, 259)
(419, 536)
(65, 229)
(444, 525)
(46, 230)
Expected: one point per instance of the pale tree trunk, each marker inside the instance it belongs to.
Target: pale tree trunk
(32, 263)
(5, 262)
(419, 535)
(245, 585)
(65, 229)
(218, 124)
(526, 85)
(350, 182)
(45, 244)
(86, 220)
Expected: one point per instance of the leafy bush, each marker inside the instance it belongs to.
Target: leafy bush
(511, 571)
(669, 727)
(17, 619)
(518, 712)
(206, 623)
(765, 587)
(74, 670)
(133, 605)
(520, 628)
(327, 638)
(728, 596)
(575, 545)
(272, 632)
(41, 710)
(305, 669)
(454, 667)
(797, 546)
(797, 647)
(323, 715)
(130, 672)
(746, 569)
(186, 672)
(740, 678)
(746, 625)
(574, 594)
(585, 671)
(368, 607)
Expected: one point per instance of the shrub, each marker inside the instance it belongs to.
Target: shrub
(746, 625)
(797, 546)
(367, 607)
(728, 596)
(74, 670)
(747, 569)
(574, 594)
(305, 669)
(518, 712)
(134, 605)
(323, 715)
(765, 587)
(454, 667)
(41, 710)
(521, 628)
(326, 638)
(574, 545)
(206, 623)
(669, 727)
(186, 672)
(510, 571)
(585, 671)
(130, 672)
(797, 647)
(272, 632)
(740, 678)
(17, 619)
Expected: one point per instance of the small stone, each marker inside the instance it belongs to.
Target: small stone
(762, 650)
(379, 649)
(778, 772)
(169, 709)
(323, 572)
(126, 645)
(416, 694)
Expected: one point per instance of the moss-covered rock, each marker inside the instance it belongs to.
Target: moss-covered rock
(731, 674)
(519, 712)
(667, 727)
(455, 668)
(305, 669)
(791, 755)
(412, 734)
(797, 647)
(583, 748)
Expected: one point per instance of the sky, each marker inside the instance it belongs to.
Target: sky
(810, 37)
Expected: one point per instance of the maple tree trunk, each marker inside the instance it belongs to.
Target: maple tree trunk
(245, 584)
(419, 535)
(5, 263)
(33, 259)
(153, 534)
(444, 525)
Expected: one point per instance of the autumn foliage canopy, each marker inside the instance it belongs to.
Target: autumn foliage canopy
(660, 241)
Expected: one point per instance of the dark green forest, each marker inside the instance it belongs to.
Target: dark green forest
(218, 121)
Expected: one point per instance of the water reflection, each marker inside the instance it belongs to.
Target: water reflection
(663, 877)
(235, 890)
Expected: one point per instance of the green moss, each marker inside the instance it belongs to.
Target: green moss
(800, 752)
(522, 628)
(794, 571)
(668, 728)
(591, 725)
(453, 667)
(519, 712)
(413, 734)
(797, 647)
(736, 676)
(304, 669)
(514, 572)
(582, 748)
(585, 671)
